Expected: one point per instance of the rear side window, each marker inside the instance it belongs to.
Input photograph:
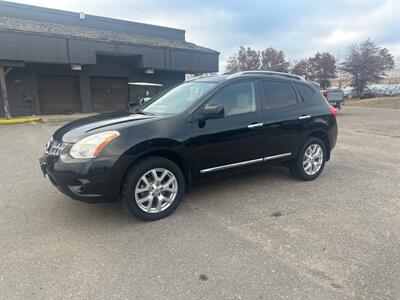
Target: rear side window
(305, 91)
(278, 94)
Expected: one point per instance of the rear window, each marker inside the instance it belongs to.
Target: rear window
(278, 94)
(305, 91)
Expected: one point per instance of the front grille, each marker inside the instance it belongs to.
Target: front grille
(54, 147)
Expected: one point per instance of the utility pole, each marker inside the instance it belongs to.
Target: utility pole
(3, 88)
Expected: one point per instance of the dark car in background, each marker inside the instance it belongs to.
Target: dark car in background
(150, 156)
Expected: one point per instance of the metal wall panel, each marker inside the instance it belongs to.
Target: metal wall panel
(84, 52)
(27, 47)
(36, 48)
(194, 62)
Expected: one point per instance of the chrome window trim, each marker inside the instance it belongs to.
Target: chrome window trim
(243, 163)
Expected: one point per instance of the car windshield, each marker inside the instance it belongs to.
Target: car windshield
(177, 99)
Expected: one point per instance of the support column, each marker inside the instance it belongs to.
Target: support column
(86, 97)
(3, 88)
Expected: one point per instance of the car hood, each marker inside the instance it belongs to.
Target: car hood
(76, 130)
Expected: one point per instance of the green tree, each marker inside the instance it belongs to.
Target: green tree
(366, 63)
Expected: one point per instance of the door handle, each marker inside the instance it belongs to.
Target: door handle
(304, 117)
(256, 125)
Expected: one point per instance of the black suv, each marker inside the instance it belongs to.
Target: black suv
(151, 155)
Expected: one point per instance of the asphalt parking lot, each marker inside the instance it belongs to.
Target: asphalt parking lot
(257, 235)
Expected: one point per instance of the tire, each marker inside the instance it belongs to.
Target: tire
(300, 169)
(142, 191)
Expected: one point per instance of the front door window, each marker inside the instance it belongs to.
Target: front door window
(238, 98)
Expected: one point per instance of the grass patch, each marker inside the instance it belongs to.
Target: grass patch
(381, 102)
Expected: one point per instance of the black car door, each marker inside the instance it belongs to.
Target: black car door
(232, 140)
(285, 117)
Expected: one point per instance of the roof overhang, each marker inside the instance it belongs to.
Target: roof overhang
(10, 63)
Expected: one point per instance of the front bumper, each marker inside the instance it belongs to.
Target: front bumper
(91, 180)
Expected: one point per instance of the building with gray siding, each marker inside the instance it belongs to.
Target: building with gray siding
(64, 62)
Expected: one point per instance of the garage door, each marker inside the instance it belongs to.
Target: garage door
(109, 94)
(59, 94)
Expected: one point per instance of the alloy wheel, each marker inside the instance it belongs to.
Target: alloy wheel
(313, 159)
(156, 190)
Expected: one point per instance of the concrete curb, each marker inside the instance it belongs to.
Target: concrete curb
(19, 120)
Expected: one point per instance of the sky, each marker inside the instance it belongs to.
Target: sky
(298, 28)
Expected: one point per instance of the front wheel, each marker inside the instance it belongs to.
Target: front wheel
(311, 160)
(153, 188)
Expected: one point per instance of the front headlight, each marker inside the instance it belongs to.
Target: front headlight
(90, 146)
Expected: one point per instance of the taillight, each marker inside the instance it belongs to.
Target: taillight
(332, 110)
(325, 93)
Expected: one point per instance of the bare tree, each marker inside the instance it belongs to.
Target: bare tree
(244, 60)
(274, 60)
(366, 62)
(232, 64)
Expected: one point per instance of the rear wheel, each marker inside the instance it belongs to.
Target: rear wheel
(311, 160)
(153, 188)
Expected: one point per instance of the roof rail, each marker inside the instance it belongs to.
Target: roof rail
(272, 73)
(199, 77)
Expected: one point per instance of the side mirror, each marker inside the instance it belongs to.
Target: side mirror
(213, 112)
